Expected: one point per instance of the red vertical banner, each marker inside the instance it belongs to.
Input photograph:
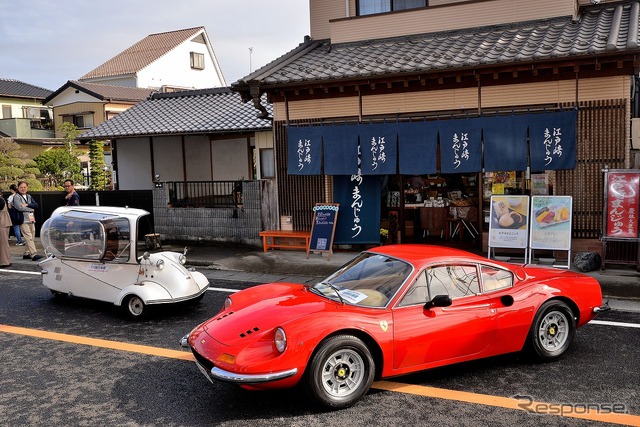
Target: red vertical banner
(623, 200)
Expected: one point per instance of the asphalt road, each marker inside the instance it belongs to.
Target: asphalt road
(73, 362)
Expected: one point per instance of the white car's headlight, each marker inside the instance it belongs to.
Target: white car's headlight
(280, 340)
(160, 264)
(227, 303)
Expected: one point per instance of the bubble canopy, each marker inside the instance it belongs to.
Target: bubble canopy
(87, 235)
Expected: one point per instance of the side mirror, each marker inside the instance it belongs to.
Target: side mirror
(439, 301)
(146, 255)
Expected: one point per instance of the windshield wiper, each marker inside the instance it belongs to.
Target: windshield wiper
(333, 288)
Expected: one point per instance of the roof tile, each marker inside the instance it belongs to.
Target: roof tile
(17, 89)
(142, 53)
(199, 111)
(599, 29)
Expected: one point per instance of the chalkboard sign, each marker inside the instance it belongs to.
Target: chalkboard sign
(323, 228)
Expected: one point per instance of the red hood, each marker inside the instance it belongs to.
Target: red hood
(260, 309)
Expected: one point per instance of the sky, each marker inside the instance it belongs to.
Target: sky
(46, 43)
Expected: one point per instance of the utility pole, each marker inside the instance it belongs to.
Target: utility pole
(250, 52)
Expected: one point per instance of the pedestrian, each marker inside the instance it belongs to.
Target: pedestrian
(25, 204)
(72, 198)
(15, 222)
(5, 223)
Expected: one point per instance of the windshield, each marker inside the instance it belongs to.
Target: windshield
(369, 280)
(87, 236)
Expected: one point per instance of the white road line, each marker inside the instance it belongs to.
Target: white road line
(223, 290)
(607, 323)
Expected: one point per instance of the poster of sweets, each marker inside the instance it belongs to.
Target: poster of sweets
(508, 224)
(551, 222)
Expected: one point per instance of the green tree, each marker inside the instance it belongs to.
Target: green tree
(15, 165)
(99, 177)
(59, 164)
(69, 133)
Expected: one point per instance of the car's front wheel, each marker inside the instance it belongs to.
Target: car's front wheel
(134, 307)
(552, 331)
(340, 372)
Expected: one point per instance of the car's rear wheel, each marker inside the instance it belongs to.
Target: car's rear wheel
(552, 331)
(134, 307)
(341, 372)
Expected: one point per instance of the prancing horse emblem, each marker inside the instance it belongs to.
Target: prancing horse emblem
(384, 325)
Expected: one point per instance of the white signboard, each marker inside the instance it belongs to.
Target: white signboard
(551, 222)
(508, 222)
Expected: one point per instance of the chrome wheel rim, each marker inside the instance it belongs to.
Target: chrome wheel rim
(136, 306)
(343, 373)
(553, 331)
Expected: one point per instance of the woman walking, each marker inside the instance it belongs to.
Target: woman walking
(16, 225)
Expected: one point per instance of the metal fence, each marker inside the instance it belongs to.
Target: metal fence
(205, 194)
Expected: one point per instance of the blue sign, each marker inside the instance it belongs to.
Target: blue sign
(359, 199)
(304, 150)
(553, 140)
(460, 146)
(378, 148)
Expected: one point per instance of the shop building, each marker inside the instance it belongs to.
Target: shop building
(412, 114)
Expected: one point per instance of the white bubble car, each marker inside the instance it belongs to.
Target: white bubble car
(93, 252)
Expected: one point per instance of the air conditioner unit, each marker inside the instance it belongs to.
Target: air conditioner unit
(635, 134)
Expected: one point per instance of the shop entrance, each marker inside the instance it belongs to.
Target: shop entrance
(438, 209)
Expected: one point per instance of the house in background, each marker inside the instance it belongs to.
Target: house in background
(416, 66)
(165, 62)
(88, 104)
(23, 117)
(202, 149)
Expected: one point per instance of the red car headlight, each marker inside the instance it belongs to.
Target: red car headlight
(280, 340)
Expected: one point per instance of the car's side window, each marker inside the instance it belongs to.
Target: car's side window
(494, 279)
(453, 280)
(417, 293)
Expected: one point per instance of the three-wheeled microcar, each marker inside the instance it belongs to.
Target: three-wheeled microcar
(93, 252)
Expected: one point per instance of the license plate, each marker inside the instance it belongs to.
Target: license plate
(204, 372)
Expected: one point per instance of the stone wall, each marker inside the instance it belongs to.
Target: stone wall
(231, 225)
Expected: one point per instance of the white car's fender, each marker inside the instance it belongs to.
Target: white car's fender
(200, 279)
(149, 292)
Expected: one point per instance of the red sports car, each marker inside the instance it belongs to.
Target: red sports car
(390, 311)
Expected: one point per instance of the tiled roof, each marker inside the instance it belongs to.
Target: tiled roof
(143, 53)
(17, 89)
(599, 30)
(188, 112)
(105, 92)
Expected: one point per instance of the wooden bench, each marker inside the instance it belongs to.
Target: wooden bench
(271, 239)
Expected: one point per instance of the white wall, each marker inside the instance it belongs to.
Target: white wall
(69, 96)
(197, 151)
(174, 69)
(167, 156)
(134, 164)
(230, 159)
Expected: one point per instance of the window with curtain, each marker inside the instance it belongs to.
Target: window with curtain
(267, 168)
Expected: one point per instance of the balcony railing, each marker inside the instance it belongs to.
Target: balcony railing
(205, 194)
